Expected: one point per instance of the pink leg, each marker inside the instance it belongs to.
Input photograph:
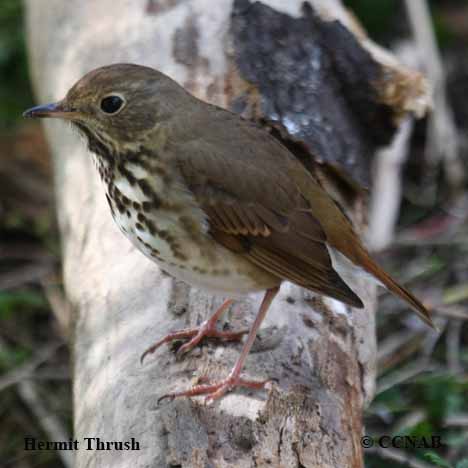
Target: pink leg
(218, 389)
(206, 329)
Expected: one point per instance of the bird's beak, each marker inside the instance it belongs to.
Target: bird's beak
(53, 110)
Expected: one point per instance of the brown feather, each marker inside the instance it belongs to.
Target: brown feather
(320, 280)
(366, 262)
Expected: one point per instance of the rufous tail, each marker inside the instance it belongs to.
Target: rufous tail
(371, 267)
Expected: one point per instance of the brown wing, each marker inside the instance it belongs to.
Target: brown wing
(290, 253)
(254, 193)
(254, 208)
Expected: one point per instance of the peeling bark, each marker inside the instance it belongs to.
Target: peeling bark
(320, 353)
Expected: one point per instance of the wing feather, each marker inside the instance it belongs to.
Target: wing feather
(255, 208)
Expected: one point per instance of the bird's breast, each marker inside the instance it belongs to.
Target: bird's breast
(156, 211)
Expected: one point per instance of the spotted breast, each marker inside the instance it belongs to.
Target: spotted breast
(159, 215)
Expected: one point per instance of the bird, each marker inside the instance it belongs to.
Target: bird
(214, 200)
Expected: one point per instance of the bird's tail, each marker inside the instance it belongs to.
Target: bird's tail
(375, 270)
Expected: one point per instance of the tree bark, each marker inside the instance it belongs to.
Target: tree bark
(320, 353)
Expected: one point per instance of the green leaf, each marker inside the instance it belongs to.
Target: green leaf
(462, 463)
(11, 301)
(437, 460)
(422, 429)
(10, 358)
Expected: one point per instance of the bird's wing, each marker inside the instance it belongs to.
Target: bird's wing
(255, 208)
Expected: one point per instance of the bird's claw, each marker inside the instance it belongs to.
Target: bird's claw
(195, 335)
(216, 390)
(177, 335)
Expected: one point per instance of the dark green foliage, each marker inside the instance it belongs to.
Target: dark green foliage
(15, 91)
(442, 463)
(444, 395)
(23, 301)
(377, 17)
(385, 19)
(437, 460)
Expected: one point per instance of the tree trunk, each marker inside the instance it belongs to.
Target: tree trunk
(321, 353)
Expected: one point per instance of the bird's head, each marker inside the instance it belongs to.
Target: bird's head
(119, 104)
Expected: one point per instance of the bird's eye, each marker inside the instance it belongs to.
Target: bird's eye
(111, 104)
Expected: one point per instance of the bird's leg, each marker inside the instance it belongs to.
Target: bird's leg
(218, 389)
(196, 334)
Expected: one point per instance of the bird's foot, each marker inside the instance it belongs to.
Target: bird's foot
(205, 330)
(216, 390)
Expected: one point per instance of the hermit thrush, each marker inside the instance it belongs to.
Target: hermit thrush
(213, 199)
